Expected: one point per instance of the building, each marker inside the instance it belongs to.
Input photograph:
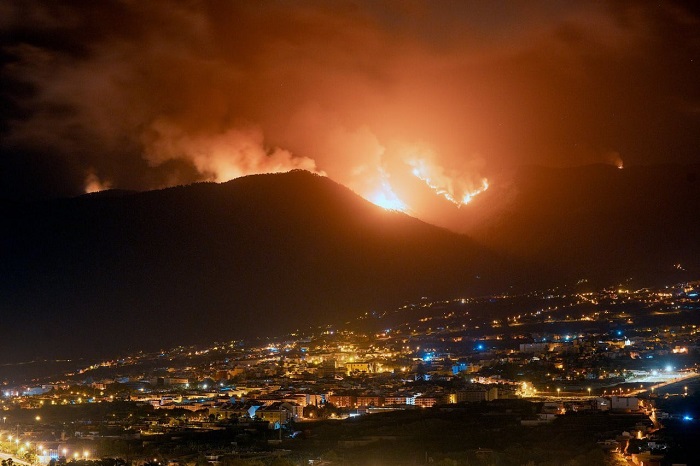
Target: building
(343, 401)
(625, 403)
(376, 401)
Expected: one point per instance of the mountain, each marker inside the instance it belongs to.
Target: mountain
(596, 222)
(259, 255)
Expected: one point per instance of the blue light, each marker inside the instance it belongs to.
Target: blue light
(619, 332)
(687, 418)
(480, 346)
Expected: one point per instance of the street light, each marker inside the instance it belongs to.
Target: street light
(558, 391)
(589, 391)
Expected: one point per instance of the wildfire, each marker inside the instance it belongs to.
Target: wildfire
(390, 183)
(470, 195)
(387, 199)
(385, 196)
(445, 187)
(93, 184)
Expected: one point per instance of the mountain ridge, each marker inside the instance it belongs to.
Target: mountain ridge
(257, 255)
(595, 220)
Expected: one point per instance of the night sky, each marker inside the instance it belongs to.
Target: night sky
(388, 98)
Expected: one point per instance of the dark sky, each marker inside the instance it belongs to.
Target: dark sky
(389, 98)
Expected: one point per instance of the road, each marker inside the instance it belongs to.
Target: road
(4, 456)
(677, 380)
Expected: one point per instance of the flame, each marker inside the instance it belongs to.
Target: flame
(470, 195)
(241, 151)
(614, 158)
(93, 184)
(429, 174)
(385, 197)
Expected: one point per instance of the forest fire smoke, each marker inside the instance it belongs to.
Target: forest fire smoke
(93, 184)
(222, 157)
(147, 95)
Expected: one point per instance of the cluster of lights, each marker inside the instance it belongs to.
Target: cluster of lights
(26, 446)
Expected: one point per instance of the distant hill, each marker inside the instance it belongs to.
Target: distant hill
(596, 221)
(259, 255)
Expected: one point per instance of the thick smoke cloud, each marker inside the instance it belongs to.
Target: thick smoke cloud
(147, 94)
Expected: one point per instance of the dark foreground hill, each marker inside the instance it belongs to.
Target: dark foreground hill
(255, 256)
(596, 221)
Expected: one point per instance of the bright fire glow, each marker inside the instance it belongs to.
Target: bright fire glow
(443, 185)
(93, 184)
(470, 195)
(385, 196)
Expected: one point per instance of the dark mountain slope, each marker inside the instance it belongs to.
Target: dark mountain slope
(254, 256)
(596, 221)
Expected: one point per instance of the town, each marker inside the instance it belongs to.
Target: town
(619, 364)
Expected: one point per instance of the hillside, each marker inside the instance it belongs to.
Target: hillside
(254, 256)
(596, 221)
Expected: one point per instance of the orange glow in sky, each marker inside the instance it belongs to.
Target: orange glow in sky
(442, 100)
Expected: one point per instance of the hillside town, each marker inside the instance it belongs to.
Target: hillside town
(536, 358)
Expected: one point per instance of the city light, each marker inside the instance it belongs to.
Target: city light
(361, 374)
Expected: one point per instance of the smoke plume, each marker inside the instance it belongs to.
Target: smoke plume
(412, 104)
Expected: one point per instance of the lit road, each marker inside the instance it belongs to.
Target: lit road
(4, 456)
(677, 380)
